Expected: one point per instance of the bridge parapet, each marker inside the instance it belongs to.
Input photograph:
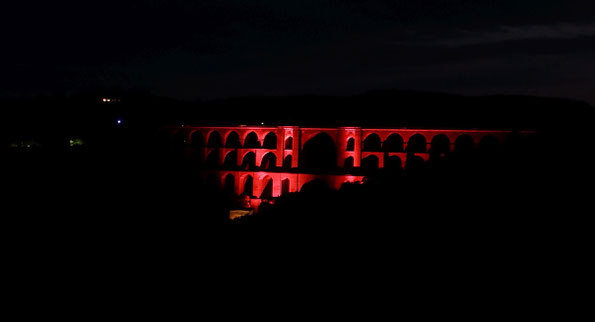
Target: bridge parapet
(282, 148)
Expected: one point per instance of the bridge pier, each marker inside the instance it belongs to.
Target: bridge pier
(299, 136)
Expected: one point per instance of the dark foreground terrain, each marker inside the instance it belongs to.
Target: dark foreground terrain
(123, 184)
(119, 220)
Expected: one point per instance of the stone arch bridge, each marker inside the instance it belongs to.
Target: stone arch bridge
(267, 161)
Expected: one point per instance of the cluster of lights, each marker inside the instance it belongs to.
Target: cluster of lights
(76, 142)
(25, 144)
(110, 100)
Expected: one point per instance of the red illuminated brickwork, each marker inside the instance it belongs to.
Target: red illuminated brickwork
(266, 161)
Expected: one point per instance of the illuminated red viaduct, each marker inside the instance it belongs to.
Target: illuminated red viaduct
(267, 162)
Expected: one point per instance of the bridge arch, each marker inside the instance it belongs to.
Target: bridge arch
(350, 144)
(231, 160)
(233, 140)
(249, 161)
(289, 143)
(440, 144)
(214, 140)
(269, 161)
(464, 144)
(417, 143)
(267, 187)
(270, 141)
(394, 143)
(319, 154)
(287, 162)
(251, 141)
(247, 185)
(309, 134)
(372, 143)
(370, 163)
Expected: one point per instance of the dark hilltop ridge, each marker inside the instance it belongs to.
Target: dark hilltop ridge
(379, 108)
(394, 108)
(81, 154)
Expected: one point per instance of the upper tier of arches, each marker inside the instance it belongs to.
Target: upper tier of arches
(345, 139)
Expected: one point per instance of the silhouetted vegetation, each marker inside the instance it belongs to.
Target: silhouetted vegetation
(71, 167)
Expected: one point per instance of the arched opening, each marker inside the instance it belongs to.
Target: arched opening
(251, 141)
(249, 161)
(248, 186)
(233, 140)
(270, 141)
(289, 143)
(394, 143)
(267, 191)
(464, 144)
(372, 143)
(229, 184)
(370, 164)
(351, 144)
(440, 144)
(285, 186)
(287, 162)
(319, 154)
(348, 164)
(231, 160)
(212, 159)
(269, 161)
(393, 163)
(417, 144)
(214, 140)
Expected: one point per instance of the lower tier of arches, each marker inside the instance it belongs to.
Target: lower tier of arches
(267, 185)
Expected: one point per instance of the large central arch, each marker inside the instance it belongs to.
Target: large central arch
(319, 154)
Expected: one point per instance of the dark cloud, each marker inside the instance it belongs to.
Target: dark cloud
(192, 49)
(518, 33)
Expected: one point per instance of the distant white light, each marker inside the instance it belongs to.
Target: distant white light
(119, 121)
(261, 123)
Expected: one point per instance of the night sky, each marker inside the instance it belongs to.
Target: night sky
(224, 48)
